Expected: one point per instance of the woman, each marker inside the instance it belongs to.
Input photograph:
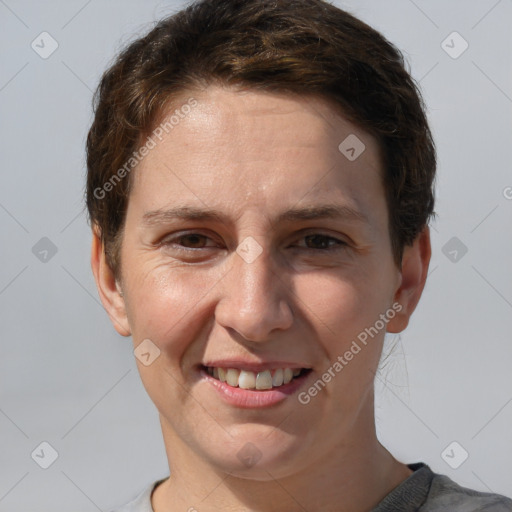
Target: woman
(260, 182)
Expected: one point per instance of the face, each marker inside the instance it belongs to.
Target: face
(254, 245)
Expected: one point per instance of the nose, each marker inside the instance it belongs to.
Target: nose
(255, 301)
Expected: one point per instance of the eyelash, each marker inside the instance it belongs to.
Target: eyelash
(338, 244)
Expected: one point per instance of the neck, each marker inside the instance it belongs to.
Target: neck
(353, 476)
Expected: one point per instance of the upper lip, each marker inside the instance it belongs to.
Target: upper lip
(252, 366)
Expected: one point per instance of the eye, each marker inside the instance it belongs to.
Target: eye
(189, 241)
(193, 240)
(318, 241)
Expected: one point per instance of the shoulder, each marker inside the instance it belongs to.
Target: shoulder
(446, 495)
(142, 502)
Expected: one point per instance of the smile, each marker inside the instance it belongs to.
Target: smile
(262, 380)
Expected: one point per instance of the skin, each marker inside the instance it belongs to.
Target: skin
(251, 156)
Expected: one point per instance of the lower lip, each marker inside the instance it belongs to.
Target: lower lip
(251, 399)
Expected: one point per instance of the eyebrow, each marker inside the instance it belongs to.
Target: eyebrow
(327, 211)
(313, 212)
(183, 213)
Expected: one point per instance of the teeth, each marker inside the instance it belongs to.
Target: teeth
(288, 375)
(264, 380)
(277, 379)
(232, 377)
(245, 379)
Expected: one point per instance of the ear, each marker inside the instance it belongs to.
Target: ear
(108, 288)
(415, 262)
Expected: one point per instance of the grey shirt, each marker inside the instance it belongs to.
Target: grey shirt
(422, 491)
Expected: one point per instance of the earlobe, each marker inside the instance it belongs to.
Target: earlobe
(109, 290)
(415, 262)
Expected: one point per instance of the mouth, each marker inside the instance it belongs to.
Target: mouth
(264, 380)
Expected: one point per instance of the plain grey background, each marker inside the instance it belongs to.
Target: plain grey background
(68, 379)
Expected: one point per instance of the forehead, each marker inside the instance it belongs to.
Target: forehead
(237, 146)
(226, 117)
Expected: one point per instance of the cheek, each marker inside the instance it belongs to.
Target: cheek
(341, 305)
(342, 311)
(167, 304)
(170, 308)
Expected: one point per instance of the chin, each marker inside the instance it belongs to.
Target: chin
(262, 453)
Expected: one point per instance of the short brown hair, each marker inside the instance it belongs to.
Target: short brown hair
(305, 47)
